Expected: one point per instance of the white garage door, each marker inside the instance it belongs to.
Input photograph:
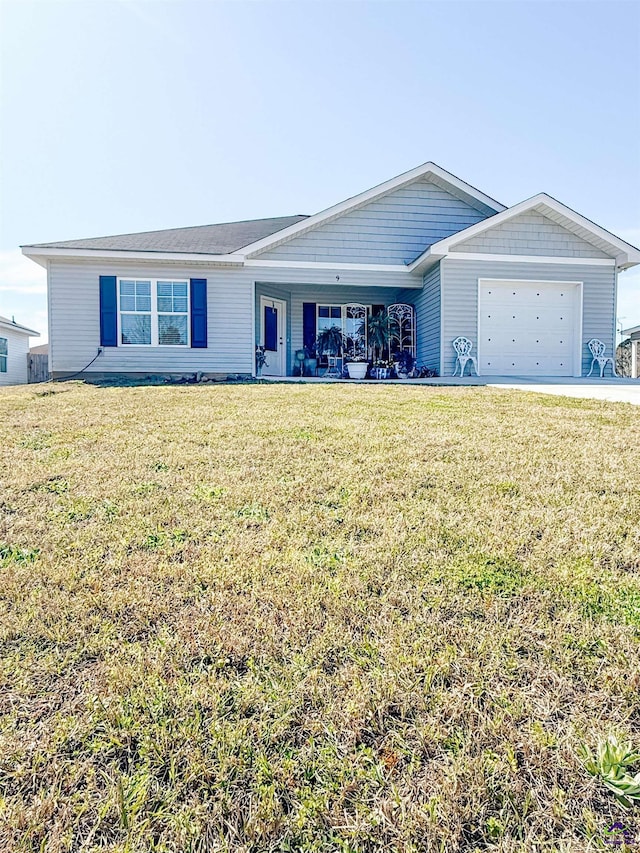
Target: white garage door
(529, 328)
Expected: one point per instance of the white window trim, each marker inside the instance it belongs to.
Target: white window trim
(154, 313)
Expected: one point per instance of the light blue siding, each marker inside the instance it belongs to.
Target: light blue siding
(446, 306)
(74, 317)
(460, 298)
(395, 229)
(232, 319)
(531, 234)
(427, 304)
(428, 320)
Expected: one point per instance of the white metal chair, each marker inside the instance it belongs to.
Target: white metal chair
(597, 349)
(334, 367)
(463, 347)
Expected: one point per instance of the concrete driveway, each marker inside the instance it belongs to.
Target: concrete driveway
(612, 390)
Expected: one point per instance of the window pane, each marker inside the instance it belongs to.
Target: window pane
(143, 303)
(172, 329)
(172, 297)
(336, 311)
(143, 288)
(4, 346)
(127, 288)
(3, 364)
(323, 311)
(135, 328)
(127, 303)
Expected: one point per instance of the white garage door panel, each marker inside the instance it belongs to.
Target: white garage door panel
(528, 328)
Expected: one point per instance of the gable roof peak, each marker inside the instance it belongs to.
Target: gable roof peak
(625, 254)
(429, 170)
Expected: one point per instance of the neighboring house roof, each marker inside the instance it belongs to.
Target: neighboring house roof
(6, 323)
(634, 330)
(220, 239)
(43, 349)
(625, 254)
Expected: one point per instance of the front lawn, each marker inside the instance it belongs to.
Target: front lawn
(314, 617)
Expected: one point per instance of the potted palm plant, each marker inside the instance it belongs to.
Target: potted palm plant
(380, 330)
(329, 342)
(379, 333)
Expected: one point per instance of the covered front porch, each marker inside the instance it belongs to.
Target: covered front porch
(311, 331)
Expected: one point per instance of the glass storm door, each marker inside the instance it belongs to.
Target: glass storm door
(273, 318)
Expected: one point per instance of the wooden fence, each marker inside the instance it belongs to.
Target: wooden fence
(38, 367)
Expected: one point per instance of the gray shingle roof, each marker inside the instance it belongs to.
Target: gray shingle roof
(201, 239)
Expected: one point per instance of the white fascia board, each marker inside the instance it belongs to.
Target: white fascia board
(366, 197)
(626, 254)
(426, 260)
(40, 255)
(321, 265)
(531, 259)
(16, 327)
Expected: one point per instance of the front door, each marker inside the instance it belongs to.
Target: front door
(273, 327)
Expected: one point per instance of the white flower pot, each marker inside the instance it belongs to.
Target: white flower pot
(357, 369)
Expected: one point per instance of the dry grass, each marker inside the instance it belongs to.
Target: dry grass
(314, 618)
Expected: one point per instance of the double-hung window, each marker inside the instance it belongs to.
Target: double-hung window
(338, 315)
(351, 319)
(135, 312)
(173, 310)
(153, 312)
(328, 315)
(4, 352)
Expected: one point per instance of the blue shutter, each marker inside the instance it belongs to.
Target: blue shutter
(108, 311)
(198, 312)
(309, 326)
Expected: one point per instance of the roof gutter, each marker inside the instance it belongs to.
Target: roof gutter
(41, 254)
(426, 260)
(16, 327)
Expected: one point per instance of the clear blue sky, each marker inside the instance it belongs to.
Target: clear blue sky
(132, 115)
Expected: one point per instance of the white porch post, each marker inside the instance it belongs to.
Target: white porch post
(634, 359)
